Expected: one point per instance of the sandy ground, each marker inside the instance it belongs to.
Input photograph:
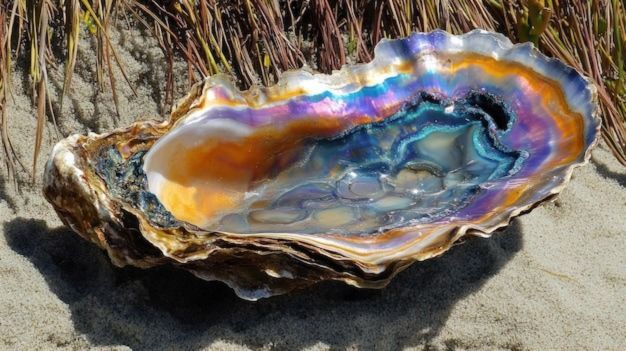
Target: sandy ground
(554, 279)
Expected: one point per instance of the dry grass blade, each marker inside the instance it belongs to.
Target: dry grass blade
(167, 39)
(72, 32)
(280, 54)
(105, 16)
(356, 33)
(5, 66)
(40, 47)
(105, 47)
(9, 16)
(332, 54)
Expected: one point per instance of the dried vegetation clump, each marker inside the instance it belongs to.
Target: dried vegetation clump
(256, 40)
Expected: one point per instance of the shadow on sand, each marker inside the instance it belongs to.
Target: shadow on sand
(169, 308)
(604, 171)
(4, 194)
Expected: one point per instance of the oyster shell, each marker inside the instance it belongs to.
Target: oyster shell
(350, 176)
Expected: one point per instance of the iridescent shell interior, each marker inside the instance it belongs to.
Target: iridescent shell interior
(379, 163)
(432, 132)
(335, 169)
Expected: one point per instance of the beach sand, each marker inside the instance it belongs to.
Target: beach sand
(554, 279)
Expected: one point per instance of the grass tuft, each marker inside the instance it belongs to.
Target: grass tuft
(256, 40)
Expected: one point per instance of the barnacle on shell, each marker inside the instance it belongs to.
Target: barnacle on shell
(350, 176)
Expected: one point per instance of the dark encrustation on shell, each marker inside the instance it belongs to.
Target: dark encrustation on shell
(350, 176)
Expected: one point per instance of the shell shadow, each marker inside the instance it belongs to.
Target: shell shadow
(604, 171)
(167, 308)
(4, 196)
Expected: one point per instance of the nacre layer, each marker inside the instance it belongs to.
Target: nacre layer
(350, 176)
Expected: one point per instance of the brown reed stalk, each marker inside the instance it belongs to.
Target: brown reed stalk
(40, 51)
(5, 79)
